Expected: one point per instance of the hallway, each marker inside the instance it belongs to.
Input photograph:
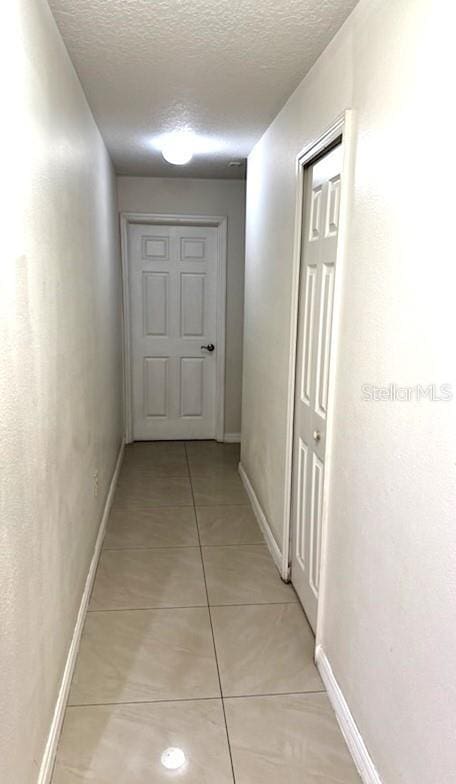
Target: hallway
(192, 641)
(220, 230)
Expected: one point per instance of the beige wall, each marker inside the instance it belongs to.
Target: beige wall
(205, 197)
(60, 413)
(390, 609)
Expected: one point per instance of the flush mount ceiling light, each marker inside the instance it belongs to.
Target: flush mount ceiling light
(173, 758)
(178, 149)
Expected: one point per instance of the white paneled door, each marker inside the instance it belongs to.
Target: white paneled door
(173, 318)
(318, 260)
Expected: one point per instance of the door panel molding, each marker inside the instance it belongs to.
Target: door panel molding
(302, 503)
(156, 370)
(342, 127)
(155, 297)
(216, 221)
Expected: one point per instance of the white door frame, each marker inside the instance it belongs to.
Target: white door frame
(220, 223)
(343, 126)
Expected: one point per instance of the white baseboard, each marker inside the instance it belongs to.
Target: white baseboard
(350, 731)
(232, 438)
(50, 751)
(263, 522)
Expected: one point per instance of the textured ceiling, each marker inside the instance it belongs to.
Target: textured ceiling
(220, 67)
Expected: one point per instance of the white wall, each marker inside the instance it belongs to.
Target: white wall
(390, 608)
(60, 411)
(205, 197)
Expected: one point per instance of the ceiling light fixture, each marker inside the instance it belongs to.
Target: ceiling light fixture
(173, 758)
(179, 146)
(178, 149)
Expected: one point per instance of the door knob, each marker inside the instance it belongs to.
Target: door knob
(317, 435)
(209, 347)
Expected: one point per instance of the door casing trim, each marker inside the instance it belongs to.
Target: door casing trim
(219, 222)
(342, 126)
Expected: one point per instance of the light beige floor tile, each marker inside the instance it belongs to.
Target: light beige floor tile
(219, 489)
(144, 655)
(244, 574)
(163, 527)
(157, 459)
(264, 649)
(209, 470)
(153, 470)
(129, 579)
(293, 739)
(219, 525)
(155, 452)
(212, 449)
(123, 744)
(141, 492)
(208, 459)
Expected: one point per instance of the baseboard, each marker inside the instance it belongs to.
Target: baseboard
(47, 763)
(232, 438)
(262, 522)
(350, 731)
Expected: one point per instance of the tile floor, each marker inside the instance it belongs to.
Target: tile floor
(193, 642)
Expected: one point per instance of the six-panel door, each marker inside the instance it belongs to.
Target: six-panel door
(318, 260)
(173, 296)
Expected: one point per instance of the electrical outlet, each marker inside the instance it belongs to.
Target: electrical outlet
(95, 484)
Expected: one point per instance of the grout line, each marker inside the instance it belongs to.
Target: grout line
(157, 547)
(144, 702)
(153, 476)
(215, 506)
(145, 609)
(181, 546)
(220, 503)
(192, 606)
(241, 544)
(273, 694)
(152, 507)
(217, 474)
(254, 604)
(212, 627)
(218, 698)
